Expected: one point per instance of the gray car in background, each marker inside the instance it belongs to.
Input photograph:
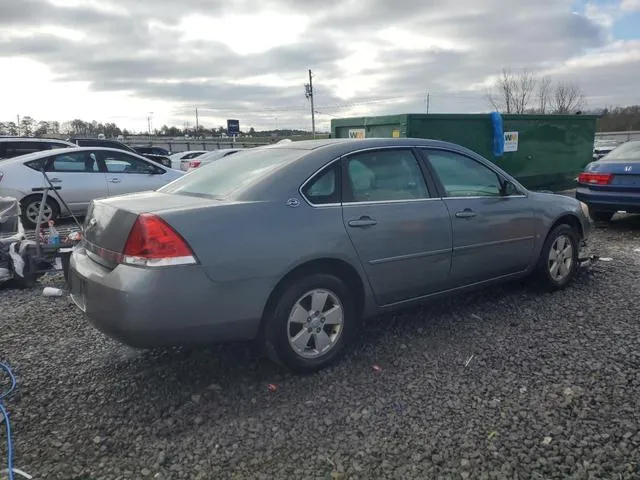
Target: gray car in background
(295, 243)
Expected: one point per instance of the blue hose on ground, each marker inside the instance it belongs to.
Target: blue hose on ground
(5, 415)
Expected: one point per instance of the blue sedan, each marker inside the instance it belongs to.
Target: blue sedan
(612, 183)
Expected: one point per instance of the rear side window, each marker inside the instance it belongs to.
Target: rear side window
(384, 175)
(72, 162)
(324, 188)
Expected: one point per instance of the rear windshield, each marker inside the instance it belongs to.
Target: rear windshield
(233, 174)
(626, 151)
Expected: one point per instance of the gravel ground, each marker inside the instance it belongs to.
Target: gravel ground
(504, 383)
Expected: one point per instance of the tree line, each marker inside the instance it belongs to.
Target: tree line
(29, 127)
(525, 92)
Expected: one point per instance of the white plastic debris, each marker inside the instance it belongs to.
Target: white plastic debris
(52, 292)
(606, 259)
(466, 364)
(5, 275)
(16, 258)
(547, 440)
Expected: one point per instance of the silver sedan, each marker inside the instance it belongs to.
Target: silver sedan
(79, 175)
(295, 243)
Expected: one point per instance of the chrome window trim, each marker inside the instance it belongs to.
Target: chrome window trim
(379, 202)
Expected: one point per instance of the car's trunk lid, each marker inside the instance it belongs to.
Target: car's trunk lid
(626, 174)
(109, 221)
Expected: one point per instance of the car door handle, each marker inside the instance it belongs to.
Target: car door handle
(55, 180)
(115, 180)
(466, 213)
(363, 222)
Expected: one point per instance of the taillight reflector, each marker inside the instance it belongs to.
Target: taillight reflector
(194, 164)
(595, 178)
(153, 243)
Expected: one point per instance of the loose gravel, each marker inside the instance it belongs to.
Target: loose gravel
(504, 383)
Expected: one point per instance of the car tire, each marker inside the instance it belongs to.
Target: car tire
(296, 327)
(558, 262)
(30, 206)
(600, 216)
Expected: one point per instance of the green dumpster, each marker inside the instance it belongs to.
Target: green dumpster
(544, 152)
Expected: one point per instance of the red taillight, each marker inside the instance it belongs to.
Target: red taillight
(194, 164)
(153, 243)
(595, 178)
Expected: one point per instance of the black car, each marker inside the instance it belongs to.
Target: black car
(151, 150)
(101, 142)
(15, 146)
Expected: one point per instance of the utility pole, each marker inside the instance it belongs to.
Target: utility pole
(309, 95)
(196, 121)
(18, 124)
(149, 123)
(428, 101)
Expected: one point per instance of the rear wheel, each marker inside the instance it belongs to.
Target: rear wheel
(311, 324)
(558, 260)
(600, 216)
(31, 206)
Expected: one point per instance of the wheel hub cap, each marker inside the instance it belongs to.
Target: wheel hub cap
(315, 323)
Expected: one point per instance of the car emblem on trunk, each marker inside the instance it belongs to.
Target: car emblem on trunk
(628, 168)
(293, 202)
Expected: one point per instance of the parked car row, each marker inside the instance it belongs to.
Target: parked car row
(79, 175)
(612, 182)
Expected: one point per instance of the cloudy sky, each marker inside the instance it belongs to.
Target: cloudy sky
(118, 60)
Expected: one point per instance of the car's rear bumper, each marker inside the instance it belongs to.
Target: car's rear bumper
(607, 201)
(144, 307)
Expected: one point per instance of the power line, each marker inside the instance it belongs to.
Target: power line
(346, 104)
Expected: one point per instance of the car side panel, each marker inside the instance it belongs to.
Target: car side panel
(263, 240)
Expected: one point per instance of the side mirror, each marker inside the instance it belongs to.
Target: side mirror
(507, 188)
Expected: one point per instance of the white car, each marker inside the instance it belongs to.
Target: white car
(79, 175)
(208, 157)
(187, 155)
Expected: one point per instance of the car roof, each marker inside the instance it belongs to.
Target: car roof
(45, 153)
(342, 146)
(33, 139)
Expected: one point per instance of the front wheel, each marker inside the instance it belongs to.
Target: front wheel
(311, 324)
(558, 260)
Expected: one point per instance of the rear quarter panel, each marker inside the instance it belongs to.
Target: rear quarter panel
(262, 239)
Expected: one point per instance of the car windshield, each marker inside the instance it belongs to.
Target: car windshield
(232, 174)
(626, 151)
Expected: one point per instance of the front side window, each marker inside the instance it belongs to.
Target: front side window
(384, 175)
(116, 162)
(462, 176)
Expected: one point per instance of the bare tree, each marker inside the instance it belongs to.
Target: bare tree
(512, 92)
(567, 97)
(544, 92)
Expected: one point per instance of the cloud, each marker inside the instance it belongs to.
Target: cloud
(251, 61)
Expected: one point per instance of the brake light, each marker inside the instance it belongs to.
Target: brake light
(595, 178)
(194, 164)
(153, 243)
